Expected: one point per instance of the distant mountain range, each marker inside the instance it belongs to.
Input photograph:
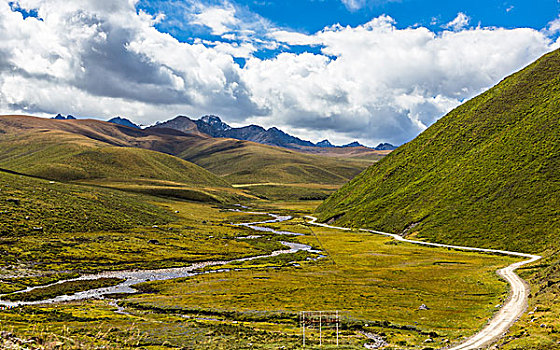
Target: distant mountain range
(123, 121)
(213, 126)
(61, 117)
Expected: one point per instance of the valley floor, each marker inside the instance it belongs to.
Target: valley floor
(378, 285)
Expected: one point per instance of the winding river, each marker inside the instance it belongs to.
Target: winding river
(500, 323)
(133, 277)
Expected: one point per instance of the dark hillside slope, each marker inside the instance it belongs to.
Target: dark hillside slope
(487, 174)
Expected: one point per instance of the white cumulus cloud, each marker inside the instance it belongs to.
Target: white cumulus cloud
(354, 4)
(371, 82)
(219, 19)
(375, 79)
(459, 22)
(553, 27)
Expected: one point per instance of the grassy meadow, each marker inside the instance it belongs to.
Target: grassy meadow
(241, 162)
(376, 284)
(298, 191)
(53, 231)
(31, 207)
(101, 237)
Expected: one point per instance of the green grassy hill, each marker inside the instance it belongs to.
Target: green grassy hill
(243, 162)
(487, 174)
(63, 156)
(107, 154)
(102, 154)
(274, 172)
(31, 206)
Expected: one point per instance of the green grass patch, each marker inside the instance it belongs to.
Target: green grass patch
(241, 162)
(30, 206)
(13, 284)
(302, 192)
(193, 232)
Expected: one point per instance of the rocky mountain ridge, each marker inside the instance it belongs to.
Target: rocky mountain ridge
(214, 126)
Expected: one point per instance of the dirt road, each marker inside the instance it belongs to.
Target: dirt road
(510, 312)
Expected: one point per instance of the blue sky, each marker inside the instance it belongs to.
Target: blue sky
(313, 15)
(310, 16)
(367, 70)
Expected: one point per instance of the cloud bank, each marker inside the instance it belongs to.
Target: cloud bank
(372, 82)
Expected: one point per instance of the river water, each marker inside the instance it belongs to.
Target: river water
(133, 277)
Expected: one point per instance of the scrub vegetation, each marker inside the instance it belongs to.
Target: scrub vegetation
(378, 286)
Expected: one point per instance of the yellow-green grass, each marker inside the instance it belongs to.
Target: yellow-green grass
(296, 191)
(63, 156)
(63, 288)
(242, 162)
(94, 325)
(290, 206)
(90, 325)
(36, 207)
(12, 284)
(56, 226)
(199, 232)
(369, 276)
(176, 190)
(377, 282)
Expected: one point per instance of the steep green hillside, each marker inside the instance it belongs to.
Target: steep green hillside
(487, 174)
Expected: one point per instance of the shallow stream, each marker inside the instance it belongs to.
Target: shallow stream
(133, 277)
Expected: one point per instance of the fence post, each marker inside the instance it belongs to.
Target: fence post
(303, 325)
(320, 328)
(337, 328)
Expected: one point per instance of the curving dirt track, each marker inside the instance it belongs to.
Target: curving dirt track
(510, 312)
